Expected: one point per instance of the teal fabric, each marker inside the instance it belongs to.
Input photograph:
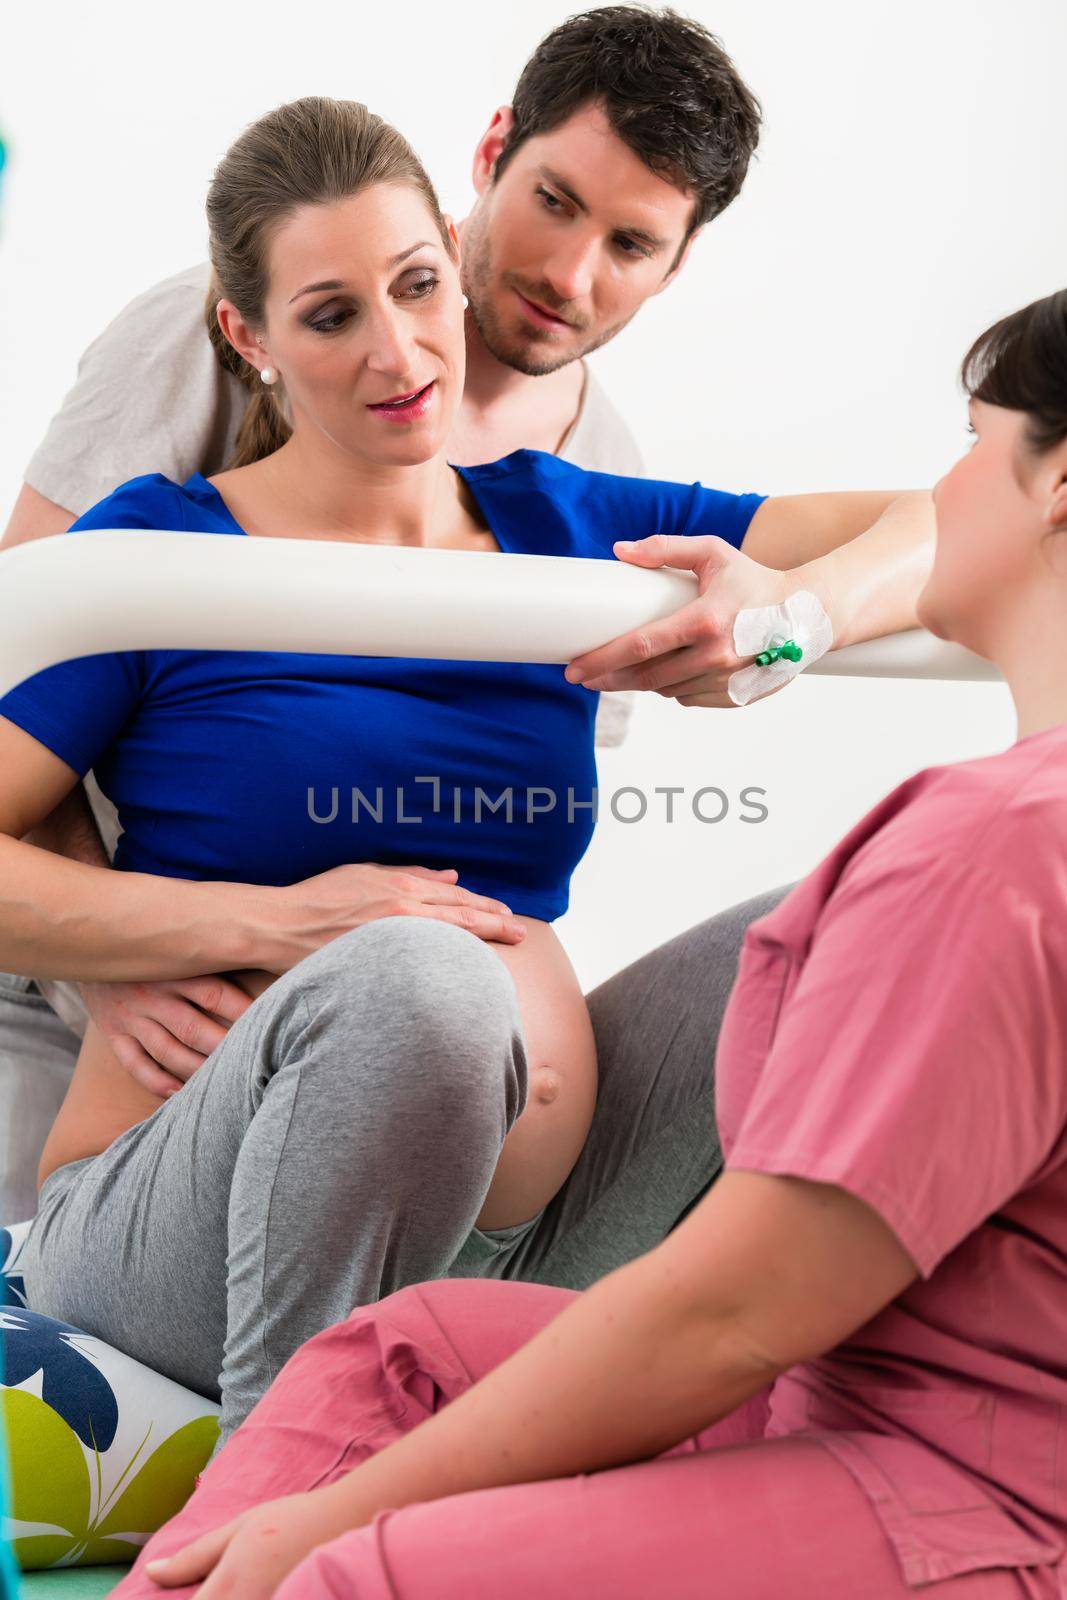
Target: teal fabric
(71, 1583)
(8, 1575)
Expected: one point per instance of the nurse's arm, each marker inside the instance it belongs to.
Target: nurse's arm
(766, 1272)
(866, 556)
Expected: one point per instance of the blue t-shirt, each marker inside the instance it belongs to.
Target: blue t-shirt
(267, 767)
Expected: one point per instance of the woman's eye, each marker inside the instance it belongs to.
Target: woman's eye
(331, 322)
(421, 287)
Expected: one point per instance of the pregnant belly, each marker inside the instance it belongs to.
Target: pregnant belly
(103, 1100)
(548, 1137)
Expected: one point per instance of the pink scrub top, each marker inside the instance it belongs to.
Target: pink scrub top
(899, 1028)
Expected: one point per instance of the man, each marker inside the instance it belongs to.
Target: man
(628, 131)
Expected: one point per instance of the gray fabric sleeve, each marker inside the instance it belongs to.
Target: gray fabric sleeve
(149, 397)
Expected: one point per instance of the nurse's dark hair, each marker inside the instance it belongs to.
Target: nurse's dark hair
(1020, 363)
(668, 89)
(312, 151)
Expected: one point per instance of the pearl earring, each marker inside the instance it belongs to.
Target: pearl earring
(464, 301)
(268, 375)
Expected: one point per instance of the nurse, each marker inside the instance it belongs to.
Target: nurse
(843, 1374)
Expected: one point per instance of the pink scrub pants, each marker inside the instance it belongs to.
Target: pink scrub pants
(726, 1513)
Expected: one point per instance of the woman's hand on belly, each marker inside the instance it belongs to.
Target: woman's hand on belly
(547, 1139)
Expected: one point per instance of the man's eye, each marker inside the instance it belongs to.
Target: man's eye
(551, 202)
(630, 247)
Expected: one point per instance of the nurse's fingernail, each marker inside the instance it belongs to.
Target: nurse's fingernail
(574, 675)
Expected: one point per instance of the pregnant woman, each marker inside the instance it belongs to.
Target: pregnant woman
(416, 1077)
(843, 1375)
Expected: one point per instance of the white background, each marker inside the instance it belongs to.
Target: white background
(908, 191)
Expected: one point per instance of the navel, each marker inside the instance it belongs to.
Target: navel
(545, 1085)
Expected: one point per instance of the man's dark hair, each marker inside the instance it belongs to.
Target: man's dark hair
(668, 87)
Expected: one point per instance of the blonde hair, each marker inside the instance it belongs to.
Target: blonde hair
(309, 152)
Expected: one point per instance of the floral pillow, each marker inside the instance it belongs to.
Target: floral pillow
(12, 1288)
(102, 1450)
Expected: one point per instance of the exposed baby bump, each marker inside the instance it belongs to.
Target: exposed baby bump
(548, 1136)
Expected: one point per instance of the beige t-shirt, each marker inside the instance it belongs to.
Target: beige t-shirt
(151, 397)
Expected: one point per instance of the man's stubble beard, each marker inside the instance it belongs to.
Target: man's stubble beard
(477, 276)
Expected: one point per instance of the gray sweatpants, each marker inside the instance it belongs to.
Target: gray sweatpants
(339, 1142)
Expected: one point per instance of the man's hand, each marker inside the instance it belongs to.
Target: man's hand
(162, 1032)
(690, 655)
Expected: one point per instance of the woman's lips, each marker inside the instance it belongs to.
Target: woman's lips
(409, 408)
(536, 314)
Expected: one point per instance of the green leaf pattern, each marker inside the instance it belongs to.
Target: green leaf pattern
(74, 1506)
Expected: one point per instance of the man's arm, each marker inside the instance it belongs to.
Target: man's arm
(34, 517)
(865, 555)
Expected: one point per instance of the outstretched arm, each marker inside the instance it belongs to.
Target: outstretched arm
(866, 558)
(765, 1272)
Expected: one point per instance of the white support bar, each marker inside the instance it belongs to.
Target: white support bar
(128, 589)
(77, 595)
(914, 654)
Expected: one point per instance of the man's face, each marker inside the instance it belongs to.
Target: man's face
(575, 236)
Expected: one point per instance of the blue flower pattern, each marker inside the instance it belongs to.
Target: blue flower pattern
(72, 1385)
(12, 1284)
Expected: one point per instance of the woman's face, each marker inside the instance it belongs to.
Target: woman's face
(991, 515)
(364, 324)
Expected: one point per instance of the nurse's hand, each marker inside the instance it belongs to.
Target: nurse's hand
(248, 1558)
(162, 1032)
(688, 656)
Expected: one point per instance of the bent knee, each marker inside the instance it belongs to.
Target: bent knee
(440, 1008)
(426, 966)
